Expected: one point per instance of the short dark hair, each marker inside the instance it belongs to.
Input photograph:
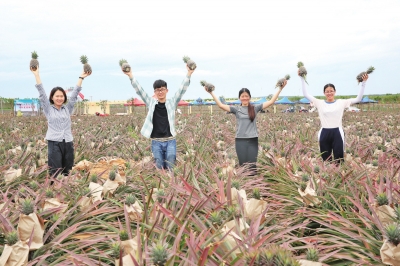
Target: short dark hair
(159, 83)
(53, 91)
(329, 85)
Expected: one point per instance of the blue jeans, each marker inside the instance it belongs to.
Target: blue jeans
(164, 153)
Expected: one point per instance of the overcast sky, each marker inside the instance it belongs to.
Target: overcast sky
(235, 44)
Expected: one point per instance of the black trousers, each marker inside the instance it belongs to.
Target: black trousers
(331, 140)
(247, 151)
(60, 157)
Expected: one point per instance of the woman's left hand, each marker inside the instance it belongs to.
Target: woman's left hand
(284, 84)
(365, 77)
(84, 74)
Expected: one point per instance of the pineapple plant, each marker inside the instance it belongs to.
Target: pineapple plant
(281, 81)
(312, 254)
(302, 71)
(208, 86)
(115, 250)
(369, 71)
(382, 199)
(34, 64)
(124, 65)
(123, 235)
(159, 254)
(393, 234)
(49, 193)
(27, 206)
(256, 193)
(236, 184)
(86, 67)
(11, 238)
(93, 178)
(303, 183)
(112, 175)
(190, 63)
(130, 199)
(33, 185)
(215, 217)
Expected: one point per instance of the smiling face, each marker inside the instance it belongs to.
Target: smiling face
(245, 98)
(161, 94)
(330, 94)
(58, 99)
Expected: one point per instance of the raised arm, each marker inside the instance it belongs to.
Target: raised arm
(361, 92)
(273, 99)
(184, 86)
(44, 101)
(74, 95)
(305, 92)
(139, 90)
(224, 107)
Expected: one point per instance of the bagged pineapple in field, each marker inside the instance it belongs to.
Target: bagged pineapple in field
(15, 255)
(28, 224)
(54, 203)
(235, 194)
(134, 211)
(309, 196)
(390, 254)
(131, 246)
(254, 208)
(85, 202)
(96, 190)
(386, 214)
(12, 174)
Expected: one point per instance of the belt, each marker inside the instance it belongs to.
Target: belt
(163, 139)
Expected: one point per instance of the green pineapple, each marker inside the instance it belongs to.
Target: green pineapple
(86, 67)
(34, 185)
(27, 206)
(393, 233)
(382, 199)
(312, 254)
(112, 175)
(208, 86)
(115, 250)
(34, 64)
(12, 238)
(49, 193)
(215, 217)
(93, 178)
(302, 71)
(303, 186)
(190, 63)
(233, 211)
(123, 235)
(369, 71)
(305, 178)
(256, 193)
(159, 254)
(124, 65)
(280, 82)
(130, 199)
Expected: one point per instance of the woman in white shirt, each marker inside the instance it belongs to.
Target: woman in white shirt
(330, 111)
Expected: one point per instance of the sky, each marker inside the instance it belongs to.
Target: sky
(236, 44)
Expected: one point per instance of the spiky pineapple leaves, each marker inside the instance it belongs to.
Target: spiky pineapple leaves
(302, 71)
(190, 63)
(124, 65)
(281, 81)
(208, 86)
(360, 76)
(34, 64)
(86, 67)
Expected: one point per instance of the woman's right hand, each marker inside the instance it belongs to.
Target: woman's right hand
(35, 72)
(207, 90)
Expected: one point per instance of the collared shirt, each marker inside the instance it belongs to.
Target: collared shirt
(58, 120)
(151, 102)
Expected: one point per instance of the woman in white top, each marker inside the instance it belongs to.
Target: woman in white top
(330, 111)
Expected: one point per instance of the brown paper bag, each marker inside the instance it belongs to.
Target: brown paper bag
(232, 224)
(234, 195)
(390, 254)
(254, 208)
(120, 179)
(15, 255)
(86, 203)
(54, 203)
(11, 174)
(126, 261)
(385, 214)
(229, 240)
(134, 211)
(309, 196)
(130, 247)
(83, 165)
(28, 223)
(110, 186)
(309, 263)
(96, 190)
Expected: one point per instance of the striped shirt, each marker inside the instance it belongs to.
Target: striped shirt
(58, 121)
(151, 102)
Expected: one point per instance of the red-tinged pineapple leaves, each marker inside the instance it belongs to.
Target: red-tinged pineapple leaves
(208, 86)
(190, 63)
(86, 67)
(34, 64)
(360, 76)
(302, 71)
(281, 81)
(124, 65)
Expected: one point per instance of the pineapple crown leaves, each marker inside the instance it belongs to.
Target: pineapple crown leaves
(84, 59)
(312, 254)
(49, 193)
(35, 55)
(11, 238)
(159, 254)
(382, 199)
(112, 175)
(287, 77)
(186, 58)
(123, 235)
(203, 83)
(27, 206)
(122, 61)
(300, 64)
(115, 250)
(393, 233)
(370, 70)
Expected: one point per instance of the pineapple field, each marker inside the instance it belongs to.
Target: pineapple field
(115, 208)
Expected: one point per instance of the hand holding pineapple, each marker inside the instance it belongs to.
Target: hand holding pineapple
(207, 86)
(282, 82)
(86, 67)
(363, 76)
(302, 72)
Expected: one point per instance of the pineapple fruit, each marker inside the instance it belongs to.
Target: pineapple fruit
(124, 65)
(130, 199)
(112, 175)
(302, 71)
(86, 67)
(123, 235)
(27, 206)
(393, 234)
(11, 238)
(280, 82)
(190, 63)
(208, 86)
(159, 254)
(382, 199)
(34, 64)
(369, 71)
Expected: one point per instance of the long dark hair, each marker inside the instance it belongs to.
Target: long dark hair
(250, 107)
(53, 91)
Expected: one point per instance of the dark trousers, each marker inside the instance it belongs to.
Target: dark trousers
(60, 157)
(330, 140)
(247, 151)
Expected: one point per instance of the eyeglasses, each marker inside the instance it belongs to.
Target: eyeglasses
(160, 90)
